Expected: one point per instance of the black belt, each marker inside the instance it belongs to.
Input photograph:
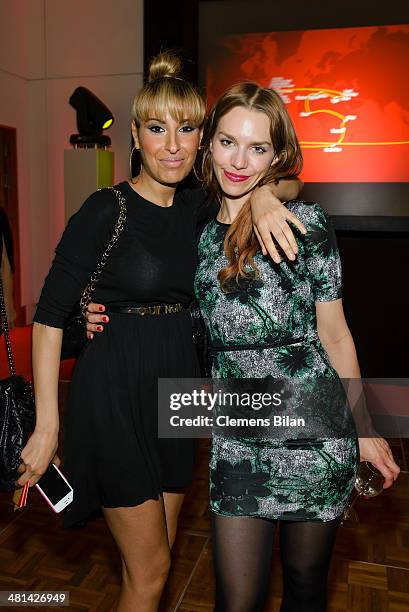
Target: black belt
(149, 309)
(253, 347)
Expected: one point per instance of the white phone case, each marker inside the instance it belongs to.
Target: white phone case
(64, 501)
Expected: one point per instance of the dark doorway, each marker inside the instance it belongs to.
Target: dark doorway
(9, 204)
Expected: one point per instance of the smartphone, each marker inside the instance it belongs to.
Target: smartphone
(55, 488)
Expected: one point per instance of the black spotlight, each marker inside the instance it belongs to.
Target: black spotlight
(92, 117)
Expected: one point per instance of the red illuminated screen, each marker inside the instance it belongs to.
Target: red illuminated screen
(346, 90)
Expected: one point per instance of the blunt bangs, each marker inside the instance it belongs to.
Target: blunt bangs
(169, 95)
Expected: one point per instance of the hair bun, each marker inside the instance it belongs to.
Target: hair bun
(165, 64)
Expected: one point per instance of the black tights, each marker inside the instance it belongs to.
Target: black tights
(243, 547)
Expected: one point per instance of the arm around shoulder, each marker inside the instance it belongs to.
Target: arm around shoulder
(271, 219)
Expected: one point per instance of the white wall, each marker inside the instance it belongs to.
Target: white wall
(47, 49)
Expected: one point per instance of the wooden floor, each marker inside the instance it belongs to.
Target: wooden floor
(369, 572)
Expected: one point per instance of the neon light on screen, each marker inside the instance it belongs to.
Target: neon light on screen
(346, 90)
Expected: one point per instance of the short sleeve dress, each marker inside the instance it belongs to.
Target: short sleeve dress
(112, 454)
(265, 326)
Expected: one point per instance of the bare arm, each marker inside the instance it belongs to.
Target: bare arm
(42, 445)
(337, 340)
(286, 189)
(271, 218)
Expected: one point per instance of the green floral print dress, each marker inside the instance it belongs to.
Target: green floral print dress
(265, 326)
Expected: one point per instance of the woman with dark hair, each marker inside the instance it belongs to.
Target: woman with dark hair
(284, 322)
(113, 457)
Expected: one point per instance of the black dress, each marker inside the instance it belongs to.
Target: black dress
(112, 454)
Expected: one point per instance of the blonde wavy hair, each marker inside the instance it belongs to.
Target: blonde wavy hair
(240, 243)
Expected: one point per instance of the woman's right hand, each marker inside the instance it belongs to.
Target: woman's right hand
(378, 452)
(37, 455)
(95, 318)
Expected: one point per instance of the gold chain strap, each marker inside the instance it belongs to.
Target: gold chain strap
(86, 297)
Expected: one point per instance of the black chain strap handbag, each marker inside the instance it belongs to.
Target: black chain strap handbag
(74, 332)
(17, 412)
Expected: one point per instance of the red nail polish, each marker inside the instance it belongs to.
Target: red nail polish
(101, 308)
(100, 328)
(105, 319)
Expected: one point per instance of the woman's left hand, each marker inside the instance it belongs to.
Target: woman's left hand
(377, 451)
(271, 220)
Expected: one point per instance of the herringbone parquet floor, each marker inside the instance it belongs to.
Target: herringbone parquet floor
(369, 572)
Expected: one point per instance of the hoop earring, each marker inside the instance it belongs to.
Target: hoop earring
(199, 163)
(130, 162)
